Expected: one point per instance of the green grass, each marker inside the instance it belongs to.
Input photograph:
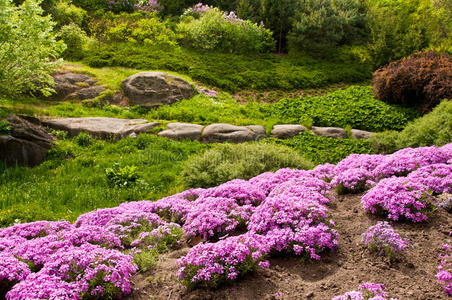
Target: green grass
(230, 72)
(73, 180)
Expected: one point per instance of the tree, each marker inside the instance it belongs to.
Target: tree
(28, 49)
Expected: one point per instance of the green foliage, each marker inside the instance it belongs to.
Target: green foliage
(122, 177)
(434, 128)
(229, 71)
(75, 39)
(83, 139)
(322, 150)
(90, 5)
(145, 259)
(73, 181)
(225, 162)
(28, 49)
(354, 106)
(64, 13)
(4, 127)
(320, 25)
(145, 29)
(212, 31)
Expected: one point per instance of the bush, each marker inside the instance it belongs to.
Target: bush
(118, 176)
(434, 128)
(136, 28)
(83, 139)
(28, 49)
(207, 28)
(227, 161)
(4, 127)
(421, 80)
(354, 106)
(322, 150)
(75, 39)
(320, 25)
(65, 14)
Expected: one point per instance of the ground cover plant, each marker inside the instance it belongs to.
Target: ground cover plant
(282, 212)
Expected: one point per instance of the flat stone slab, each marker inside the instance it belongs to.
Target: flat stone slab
(182, 131)
(287, 131)
(332, 132)
(360, 134)
(101, 127)
(220, 133)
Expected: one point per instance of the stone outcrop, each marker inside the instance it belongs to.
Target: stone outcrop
(332, 132)
(182, 131)
(219, 133)
(27, 144)
(70, 86)
(287, 131)
(100, 127)
(151, 89)
(360, 134)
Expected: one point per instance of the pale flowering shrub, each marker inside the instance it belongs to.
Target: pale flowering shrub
(437, 177)
(213, 264)
(399, 198)
(382, 239)
(161, 239)
(367, 291)
(444, 274)
(12, 270)
(352, 181)
(325, 172)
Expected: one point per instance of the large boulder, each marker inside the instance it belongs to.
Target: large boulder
(27, 144)
(182, 131)
(156, 88)
(100, 127)
(332, 132)
(360, 134)
(76, 86)
(287, 131)
(219, 133)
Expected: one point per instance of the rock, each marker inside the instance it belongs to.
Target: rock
(219, 133)
(100, 127)
(259, 130)
(75, 86)
(70, 77)
(89, 93)
(156, 88)
(27, 144)
(360, 134)
(287, 131)
(181, 131)
(333, 132)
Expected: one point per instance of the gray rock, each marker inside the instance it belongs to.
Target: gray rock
(286, 131)
(100, 127)
(90, 92)
(333, 132)
(70, 77)
(27, 144)
(259, 130)
(219, 133)
(156, 88)
(182, 131)
(360, 134)
(75, 86)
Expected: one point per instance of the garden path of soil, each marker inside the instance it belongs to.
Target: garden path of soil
(336, 273)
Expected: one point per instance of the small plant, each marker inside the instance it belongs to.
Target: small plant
(83, 139)
(383, 240)
(366, 291)
(444, 274)
(5, 128)
(122, 177)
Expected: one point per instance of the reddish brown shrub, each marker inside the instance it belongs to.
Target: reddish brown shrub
(421, 80)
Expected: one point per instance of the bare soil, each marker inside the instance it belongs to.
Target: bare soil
(413, 277)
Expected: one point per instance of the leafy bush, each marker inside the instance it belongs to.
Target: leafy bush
(322, 150)
(320, 25)
(230, 72)
(4, 127)
(354, 106)
(65, 14)
(122, 176)
(215, 30)
(421, 80)
(75, 39)
(434, 128)
(139, 28)
(28, 49)
(227, 161)
(83, 139)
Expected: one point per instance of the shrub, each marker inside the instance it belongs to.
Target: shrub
(320, 25)
(354, 106)
(65, 14)
(83, 139)
(382, 239)
(367, 290)
(421, 80)
(225, 162)
(444, 274)
(122, 176)
(4, 127)
(75, 39)
(322, 150)
(28, 50)
(215, 30)
(434, 128)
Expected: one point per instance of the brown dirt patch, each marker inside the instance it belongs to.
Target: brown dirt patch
(336, 273)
